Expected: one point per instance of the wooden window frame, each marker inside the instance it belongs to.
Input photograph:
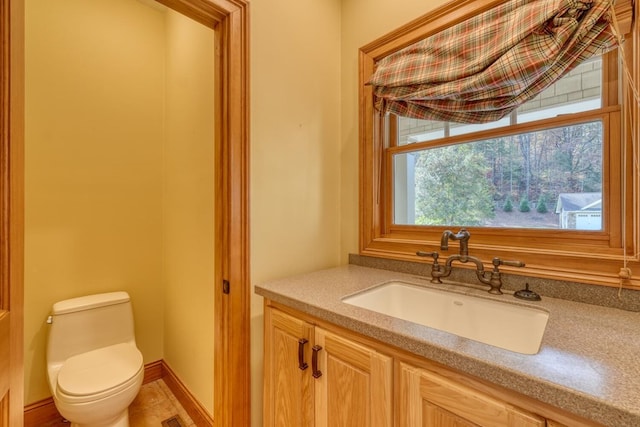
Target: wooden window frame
(594, 257)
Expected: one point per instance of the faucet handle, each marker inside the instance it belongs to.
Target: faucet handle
(497, 261)
(424, 254)
(437, 270)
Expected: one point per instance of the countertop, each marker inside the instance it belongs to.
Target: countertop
(588, 363)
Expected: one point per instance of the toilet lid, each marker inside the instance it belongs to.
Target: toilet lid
(99, 370)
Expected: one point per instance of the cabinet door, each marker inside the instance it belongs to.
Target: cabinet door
(288, 391)
(429, 399)
(353, 383)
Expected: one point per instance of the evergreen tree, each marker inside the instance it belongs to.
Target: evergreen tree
(508, 205)
(542, 205)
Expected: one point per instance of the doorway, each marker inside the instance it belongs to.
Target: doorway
(231, 293)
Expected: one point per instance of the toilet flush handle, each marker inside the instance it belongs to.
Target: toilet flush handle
(50, 319)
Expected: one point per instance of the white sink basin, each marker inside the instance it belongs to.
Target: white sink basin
(508, 326)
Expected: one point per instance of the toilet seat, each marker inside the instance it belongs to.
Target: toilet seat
(99, 373)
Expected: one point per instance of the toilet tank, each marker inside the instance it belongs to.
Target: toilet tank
(86, 323)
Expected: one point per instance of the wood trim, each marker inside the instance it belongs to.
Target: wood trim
(202, 11)
(153, 371)
(606, 242)
(40, 413)
(5, 335)
(44, 411)
(233, 312)
(232, 366)
(11, 200)
(624, 15)
(632, 131)
(196, 411)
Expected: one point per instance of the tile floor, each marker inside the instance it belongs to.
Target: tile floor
(154, 404)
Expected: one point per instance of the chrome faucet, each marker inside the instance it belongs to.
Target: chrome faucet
(492, 278)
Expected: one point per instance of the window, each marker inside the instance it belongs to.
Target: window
(515, 180)
(551, 185)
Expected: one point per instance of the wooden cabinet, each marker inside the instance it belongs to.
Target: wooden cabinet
(355, 386)
(319, 374)
(314, 377)
(429, 399)
(288, 384)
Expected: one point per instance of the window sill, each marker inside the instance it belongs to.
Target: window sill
(594, 267)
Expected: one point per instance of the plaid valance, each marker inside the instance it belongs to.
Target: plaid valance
(480, 70)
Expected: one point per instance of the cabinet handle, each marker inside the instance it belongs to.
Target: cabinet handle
(314, 362)
(301, 363)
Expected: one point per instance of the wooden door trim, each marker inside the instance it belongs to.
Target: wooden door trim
(230, 20)
(11, 200)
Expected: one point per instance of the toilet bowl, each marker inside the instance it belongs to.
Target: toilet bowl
(94, 368)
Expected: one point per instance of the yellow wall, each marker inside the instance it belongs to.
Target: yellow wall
(94, 112)
(119, 189)
(188, 206)
(295, 130)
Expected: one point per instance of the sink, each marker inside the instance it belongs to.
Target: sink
(509, 326)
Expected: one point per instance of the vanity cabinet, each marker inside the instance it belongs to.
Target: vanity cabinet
(427, 399)
(320, 374)
(288, 385)
(314, 377)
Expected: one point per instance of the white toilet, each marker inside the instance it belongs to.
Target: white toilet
(95, 369)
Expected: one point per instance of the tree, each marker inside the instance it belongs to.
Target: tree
(524, 141)
(542, 205)
(508, 205)
(452, 187)
(579, 156)
(537, 165)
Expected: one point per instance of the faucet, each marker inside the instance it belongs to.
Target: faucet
(492, 278)
(463, 235)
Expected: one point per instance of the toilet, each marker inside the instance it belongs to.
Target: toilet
(94, 368)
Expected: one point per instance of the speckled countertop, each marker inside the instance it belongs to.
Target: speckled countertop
(588, 363)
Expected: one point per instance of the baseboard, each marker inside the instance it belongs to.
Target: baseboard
(196, 411)
(153, 371)
(44, 411)
(41, 412)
